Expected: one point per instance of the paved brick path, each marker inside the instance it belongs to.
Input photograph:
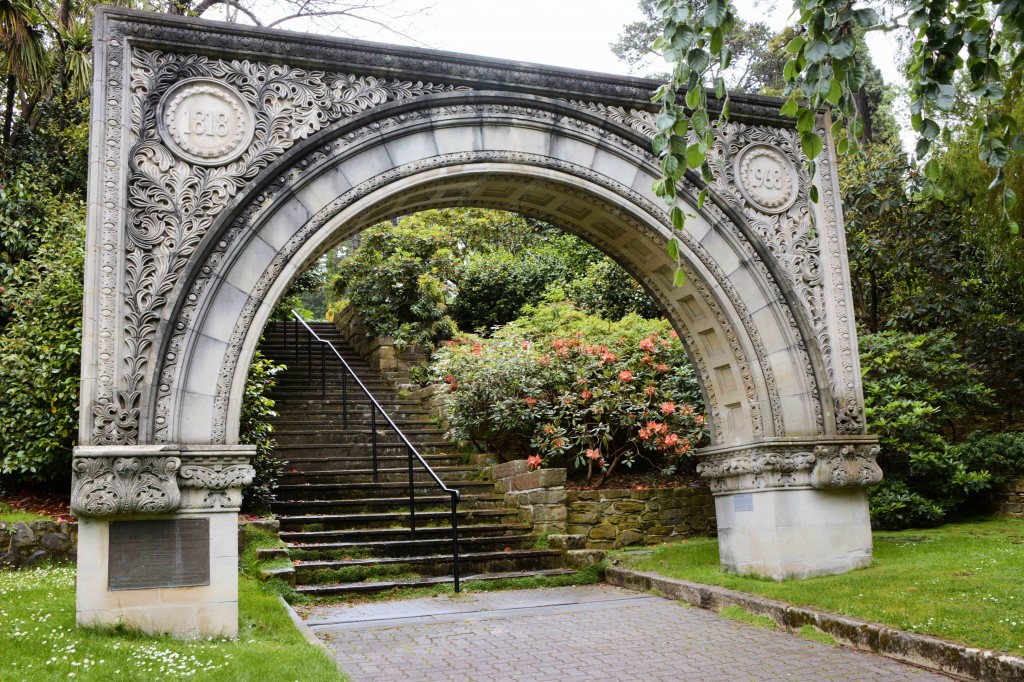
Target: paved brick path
(583, 633)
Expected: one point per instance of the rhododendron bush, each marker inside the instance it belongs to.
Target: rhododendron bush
(567, 389)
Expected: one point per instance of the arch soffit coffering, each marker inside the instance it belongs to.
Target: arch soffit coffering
(762, 402)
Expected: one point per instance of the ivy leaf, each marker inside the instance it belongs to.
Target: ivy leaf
(790, 108)
(811, 144)
(694, 156)
(795, 45)
(865, 17)
(816, 51)
(715, 13)
(1009, 199)
(701, 198)
(842, 49)
(673, 244)
(666, 119)
(946, 97)
(929, 129)
(678, 221)
(813, 194)
(680, 278)
(922, 148)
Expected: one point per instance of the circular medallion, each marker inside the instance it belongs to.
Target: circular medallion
(205, 121)
(767, 178)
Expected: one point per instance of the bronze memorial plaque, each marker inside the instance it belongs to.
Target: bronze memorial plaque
(165, 553)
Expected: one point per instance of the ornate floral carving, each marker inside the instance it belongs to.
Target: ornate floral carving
(790, 463)
(109, 481)
(216, 476)
(173, 202)
(106, 486)
(847, 466)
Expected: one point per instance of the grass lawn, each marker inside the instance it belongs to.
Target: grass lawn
(39, 640)
(962, 581)
(10, 515)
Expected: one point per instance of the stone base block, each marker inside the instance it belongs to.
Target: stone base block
(794, 533)
(186, 612)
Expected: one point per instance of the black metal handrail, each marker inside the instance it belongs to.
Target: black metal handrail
(374, 408)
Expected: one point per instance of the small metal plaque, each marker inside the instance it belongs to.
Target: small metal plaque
(743, 502)
(166, 553)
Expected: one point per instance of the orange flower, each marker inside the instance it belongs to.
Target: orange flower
(534, 461)
(647, 345)
(668, 408)
(650, 391)
(625, 375)
(593, 454)
(586, 395)
(662, 368)
(530, 401)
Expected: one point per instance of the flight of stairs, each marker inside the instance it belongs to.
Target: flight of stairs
(346, 534)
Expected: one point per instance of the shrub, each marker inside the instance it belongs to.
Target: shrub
(255, 429)
(1001, 454)
(575, 389)
(40, 350)
(919, 394)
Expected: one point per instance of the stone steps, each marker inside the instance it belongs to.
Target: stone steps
(348, 534)
(388, 585)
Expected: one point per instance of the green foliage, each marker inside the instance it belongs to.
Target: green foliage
(919, 393)
(977, 44)
(577, 389)
(255, 429)
(39, 357)
(426, 276)
(494, 285)
(1000, 454)
(606, 290)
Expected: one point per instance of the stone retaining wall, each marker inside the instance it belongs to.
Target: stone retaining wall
(24, 544)
(380, 352)
(617, 518)
(538, 496)
(1010, 500)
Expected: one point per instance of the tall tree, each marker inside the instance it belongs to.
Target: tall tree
(980, 44)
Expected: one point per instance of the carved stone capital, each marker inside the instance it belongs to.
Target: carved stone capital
(154, 479)
(846, 465)
(791, 463)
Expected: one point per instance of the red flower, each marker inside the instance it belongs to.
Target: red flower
(650, 391)
(662, 368)
(530, 401)
(525, 345)
(586, 395)
(668, 408)
(593, 454)
(647, 345)
(534, 461)
(625, 375)
(673, 334)
(647, 360)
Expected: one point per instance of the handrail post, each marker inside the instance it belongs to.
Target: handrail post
(455, 538)
(373, 430)
(412, 496)
(323, 372)
(344, 399)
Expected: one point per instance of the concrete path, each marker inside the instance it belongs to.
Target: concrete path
(575, 633)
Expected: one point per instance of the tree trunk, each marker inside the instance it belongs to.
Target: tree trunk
(12, 85)
(860, 101)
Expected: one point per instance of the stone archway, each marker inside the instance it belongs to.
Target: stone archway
(226, 159)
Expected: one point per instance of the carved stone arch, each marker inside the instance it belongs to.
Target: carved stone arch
(224, 159)
(714, 297)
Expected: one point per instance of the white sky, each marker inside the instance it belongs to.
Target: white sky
(572, 33)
